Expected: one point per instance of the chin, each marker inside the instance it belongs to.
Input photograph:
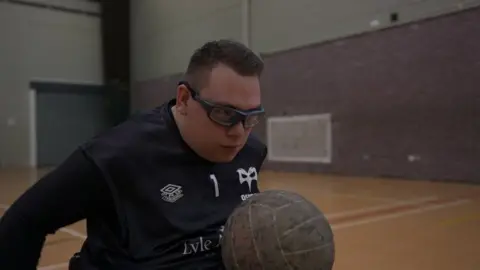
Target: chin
(225, 158)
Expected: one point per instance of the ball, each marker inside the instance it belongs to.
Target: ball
(277, 230)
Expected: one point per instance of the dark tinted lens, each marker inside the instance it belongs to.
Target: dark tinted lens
(252, 120)
(222, 116)
(227, 117)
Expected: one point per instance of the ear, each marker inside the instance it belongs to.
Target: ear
(183, 95)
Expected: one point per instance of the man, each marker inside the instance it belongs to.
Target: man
(157, 189)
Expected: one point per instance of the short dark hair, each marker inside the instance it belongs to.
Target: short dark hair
(228, 52)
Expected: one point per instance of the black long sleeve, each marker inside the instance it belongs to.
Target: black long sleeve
(66, 195)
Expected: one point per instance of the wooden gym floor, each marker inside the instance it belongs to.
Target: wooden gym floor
(378, 224)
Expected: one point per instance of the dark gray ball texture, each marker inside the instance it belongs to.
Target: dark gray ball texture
(276, 230)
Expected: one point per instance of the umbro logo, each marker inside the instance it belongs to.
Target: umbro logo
(171, 193)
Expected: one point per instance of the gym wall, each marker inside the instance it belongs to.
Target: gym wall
(404, 102)
(50, 44)
(165, 33)
(400, 91)
(278, 25)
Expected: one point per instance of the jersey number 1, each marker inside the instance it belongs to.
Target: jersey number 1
(215, 184)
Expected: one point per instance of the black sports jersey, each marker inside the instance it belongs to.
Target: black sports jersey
(151, 202)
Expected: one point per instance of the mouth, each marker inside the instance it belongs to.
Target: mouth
(230, 146)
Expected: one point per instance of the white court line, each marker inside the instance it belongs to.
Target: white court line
(380, 207)
(364, 197)
(73, 233)
(400, 214)
(65, 230)
(53, 267)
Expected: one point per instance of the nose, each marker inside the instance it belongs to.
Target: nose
(236, 130)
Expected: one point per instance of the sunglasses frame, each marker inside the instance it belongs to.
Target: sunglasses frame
(240, 115)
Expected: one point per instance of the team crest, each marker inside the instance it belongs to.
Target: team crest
(247, 176)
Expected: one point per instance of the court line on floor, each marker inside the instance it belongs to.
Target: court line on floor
(65, 230)
(380, 207)
(73, 233)
(365, 197)
(53, 267)
(399, 214)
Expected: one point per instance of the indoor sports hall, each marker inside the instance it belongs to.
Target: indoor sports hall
(372, 108)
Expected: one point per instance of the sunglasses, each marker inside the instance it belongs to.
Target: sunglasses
(225, 115)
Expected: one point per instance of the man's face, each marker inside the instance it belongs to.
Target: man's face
(225, 92)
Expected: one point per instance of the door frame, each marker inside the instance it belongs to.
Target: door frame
(32, 100)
